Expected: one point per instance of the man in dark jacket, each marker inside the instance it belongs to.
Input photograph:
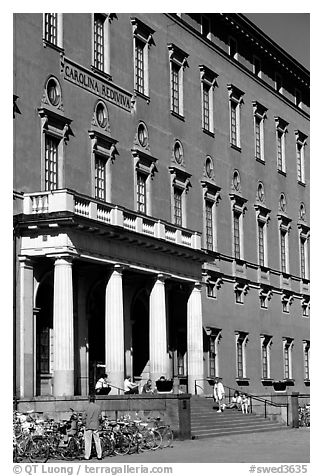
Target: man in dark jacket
(92, 417)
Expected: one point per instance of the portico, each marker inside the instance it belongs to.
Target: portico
(109, 307)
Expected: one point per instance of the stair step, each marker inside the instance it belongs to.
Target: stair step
(230, 425)
(206, 422)
(212, 433)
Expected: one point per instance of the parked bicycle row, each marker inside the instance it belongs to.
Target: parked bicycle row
(39, 440)
(304, 415)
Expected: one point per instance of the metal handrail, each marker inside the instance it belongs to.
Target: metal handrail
(265, 401)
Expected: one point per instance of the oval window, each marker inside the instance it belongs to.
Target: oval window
(142, 135)
(53, 92)
(101, 114)
(178, 152)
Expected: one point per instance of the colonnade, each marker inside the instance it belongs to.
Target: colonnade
(63, 328)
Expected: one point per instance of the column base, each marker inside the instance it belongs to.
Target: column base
(63, 383)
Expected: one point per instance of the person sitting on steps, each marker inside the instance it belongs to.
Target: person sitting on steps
(235, 401)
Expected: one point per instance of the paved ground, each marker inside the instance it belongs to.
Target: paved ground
(286, 446)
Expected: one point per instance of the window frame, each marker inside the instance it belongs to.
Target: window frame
(288, 344)
(103, 148)
(211, 196)
(233, 48)
(259, 116)
(144, 167)
(180, 184)
(209, 26)
(214, 337)
(306, 359)
(235, 103)
(237, 229)
(54, 126)
(265, 345)
(256, 59)
(241, 339)
(301, 142)
(177, 64)
(58, 37)
(304, 234)
(281, 131)
(142, 41)
(208, 83)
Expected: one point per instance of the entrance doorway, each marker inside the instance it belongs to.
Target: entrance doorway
(44, 336)
(96, 333)
(140, 333)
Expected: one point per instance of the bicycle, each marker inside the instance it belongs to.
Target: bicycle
(26, 443)
(165, 431)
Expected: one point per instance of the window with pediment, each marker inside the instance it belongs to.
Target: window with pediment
(281, 132)
(238, 204)
(178, 63)
(208, 83)
(235, 103)
(300, 156)
(56, 130)
(259, 115)
(263, 217)
(142, 40)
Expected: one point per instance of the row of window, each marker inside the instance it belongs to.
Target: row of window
(265, 294)
(178, 61)
(103, 149)
(233, 51)
(53, 25)
(266, 341)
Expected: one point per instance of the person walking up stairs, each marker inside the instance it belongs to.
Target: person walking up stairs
(218, 394)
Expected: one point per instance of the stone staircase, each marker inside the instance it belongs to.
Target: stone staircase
(206, 422)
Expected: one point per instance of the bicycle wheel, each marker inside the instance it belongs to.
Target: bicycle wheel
(167, 436)
(151, 440)
(122, 444)
(72, 450)
(107, 445)
(38, 451)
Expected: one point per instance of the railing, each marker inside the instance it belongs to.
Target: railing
(68, 200)
(265, 403)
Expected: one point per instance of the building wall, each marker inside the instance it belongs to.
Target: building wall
(33, 63)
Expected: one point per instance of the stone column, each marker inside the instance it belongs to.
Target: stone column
(63, 327)
(114, 329)
(25, 331)
(158, 358)
(194, 339)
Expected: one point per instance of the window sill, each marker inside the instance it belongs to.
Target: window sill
(235, 147)
(261, 161)
(267, 382)
(307, 382)
(281, 172)
(51, 45)
(243, 382)
(178, 116)
(208, 133)
(142, 95)
(289, 382)
(303, 184)
(101, 73)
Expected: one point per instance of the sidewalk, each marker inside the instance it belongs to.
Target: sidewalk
(286, 446)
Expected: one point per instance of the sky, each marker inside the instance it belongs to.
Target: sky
(290, 30)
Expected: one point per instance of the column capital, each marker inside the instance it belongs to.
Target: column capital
(26, 261)
(62, 257)
(161, 276)
(118, 267)
(197, 285)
